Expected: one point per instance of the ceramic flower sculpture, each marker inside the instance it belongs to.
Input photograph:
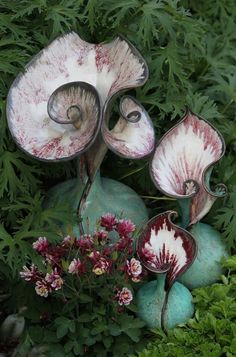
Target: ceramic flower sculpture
(181, 168)
(167, 250)
(58, 109)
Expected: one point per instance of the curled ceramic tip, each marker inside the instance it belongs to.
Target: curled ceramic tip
(163, 247)
(132, 116)
(73, 103)
(133, 135)
(182, 164)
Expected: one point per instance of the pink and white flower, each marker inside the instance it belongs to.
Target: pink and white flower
(125, 243)
(134, 269)
(124, 296)
(182, 164)
(55, 254)
(54, 279)
(102, 266)
(108, 221)
(125, 226)
(76, 267)
(42, 288)
(85, 243)
(41, 245)
(29, 274)
(68, 241)
(101, 236)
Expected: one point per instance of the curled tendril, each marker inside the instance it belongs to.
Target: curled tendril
(68, 104)
(132, 116)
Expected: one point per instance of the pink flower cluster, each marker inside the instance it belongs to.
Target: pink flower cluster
(88, 257)
(123, 226)
(43, 284)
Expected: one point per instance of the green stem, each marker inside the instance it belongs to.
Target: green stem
(132, 172)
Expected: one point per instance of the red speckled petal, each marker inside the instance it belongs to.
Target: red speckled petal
(182, 159)
(107, 67)
(133, 135)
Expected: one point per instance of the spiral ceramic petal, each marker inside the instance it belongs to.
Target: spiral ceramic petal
(108, 67)
(164, 247)
(133, 136)
(183, 161)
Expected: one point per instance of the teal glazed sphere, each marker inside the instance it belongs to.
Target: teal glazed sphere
(106, 196)
(206, 269)
(150, 300)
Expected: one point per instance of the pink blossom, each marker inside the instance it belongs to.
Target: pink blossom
(125, 243)
(54, 279)
(134, 269)
(55, 254)
(125, 226)
(41, 245)
(124, 296)
(85, 243)
(102, 266)
(94, 256)
(68, 241)
(29, 274)
(107, 251)
(76, 267)
(101, 237)
(108, 221)
(41, 288)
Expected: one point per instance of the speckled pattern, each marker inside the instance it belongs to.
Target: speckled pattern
(182, 159)
(107, 67)
(128, 139)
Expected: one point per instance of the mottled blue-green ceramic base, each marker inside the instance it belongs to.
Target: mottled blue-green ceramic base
(106, 195)
(206, 269)
(150, 299)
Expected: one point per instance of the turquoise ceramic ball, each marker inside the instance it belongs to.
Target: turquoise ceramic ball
(206, 269)
(150, 299)
(106, 196)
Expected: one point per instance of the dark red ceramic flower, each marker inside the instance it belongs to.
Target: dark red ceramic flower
(164, 247)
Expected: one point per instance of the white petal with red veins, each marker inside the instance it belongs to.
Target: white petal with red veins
(182, 159)
(133, 135)
(165, 247)
(108, 67)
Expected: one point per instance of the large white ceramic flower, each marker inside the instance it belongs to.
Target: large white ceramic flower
(55, 108)
(164, 247)
(182, 164)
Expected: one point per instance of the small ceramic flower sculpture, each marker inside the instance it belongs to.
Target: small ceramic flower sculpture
(181, 168)
(167, 250)
(59, 109)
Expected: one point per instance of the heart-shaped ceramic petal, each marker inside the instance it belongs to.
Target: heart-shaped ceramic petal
(164, 247)
(108, 67)
(133, 136)
(183, 160)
